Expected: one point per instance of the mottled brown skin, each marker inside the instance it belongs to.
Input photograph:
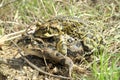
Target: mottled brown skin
(73, 27)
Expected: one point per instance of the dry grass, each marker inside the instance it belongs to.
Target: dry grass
(103, 15)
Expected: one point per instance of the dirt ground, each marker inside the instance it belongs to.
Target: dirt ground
(18, 69)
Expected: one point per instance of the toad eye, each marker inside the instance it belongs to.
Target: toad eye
(70, 40)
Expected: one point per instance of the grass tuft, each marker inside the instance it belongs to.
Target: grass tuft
(103, 15)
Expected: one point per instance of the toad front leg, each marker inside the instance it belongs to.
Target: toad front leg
(62, 44)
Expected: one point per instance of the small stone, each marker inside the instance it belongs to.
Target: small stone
(24, 67)
(18, 78)
(55, 70)
(46, 79)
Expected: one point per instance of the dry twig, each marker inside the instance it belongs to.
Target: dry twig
(11, 36)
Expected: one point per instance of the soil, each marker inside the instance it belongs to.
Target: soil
(18, 69)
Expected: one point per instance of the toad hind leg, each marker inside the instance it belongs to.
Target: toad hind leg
(58, 57)
(70, 65)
